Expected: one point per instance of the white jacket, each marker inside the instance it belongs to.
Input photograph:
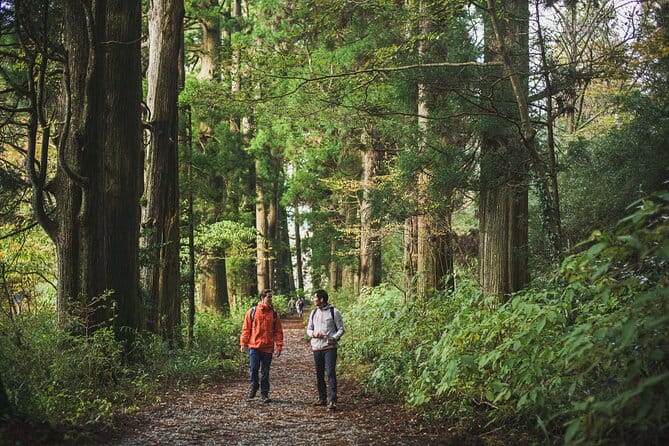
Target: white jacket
(321, 321)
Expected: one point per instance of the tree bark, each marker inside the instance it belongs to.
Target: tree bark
(503, 203)
(284, 262)
(410, 260)
(334, 268)
(298, 248)
(210, 61)
(99, 179)
(350, 279)
(214, 285)
(160, 222)
(434, 258)
(262, 250)
(370, 250)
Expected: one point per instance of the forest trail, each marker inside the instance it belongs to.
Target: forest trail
(221, 415)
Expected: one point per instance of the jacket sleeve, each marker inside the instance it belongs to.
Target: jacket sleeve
(310, 325)
(278, 336)
(246, 330)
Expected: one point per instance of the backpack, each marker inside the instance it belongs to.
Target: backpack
(253, 313)
(331, 313)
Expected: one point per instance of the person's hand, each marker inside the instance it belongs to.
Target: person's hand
(241, 349)
(278, 353)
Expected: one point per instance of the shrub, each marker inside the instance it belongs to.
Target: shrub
(582, 357)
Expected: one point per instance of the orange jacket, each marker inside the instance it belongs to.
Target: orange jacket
(263, 332)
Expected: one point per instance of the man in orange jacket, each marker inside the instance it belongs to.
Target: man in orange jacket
(262, 333)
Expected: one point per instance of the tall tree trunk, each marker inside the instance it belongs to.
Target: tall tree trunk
(262, 249)
(284, 260)
(210, 59)
(213, 287)
(410, 260)
(99, 179)
(188, 141)
(249, 286)
(161, 277)
(503, 204)
(273, 231)
(298, 248)
(334, 267)
(350, 279)
(370, 271)
(434, 258)
(550, 197)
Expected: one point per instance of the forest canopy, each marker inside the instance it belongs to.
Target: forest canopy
(487, 179)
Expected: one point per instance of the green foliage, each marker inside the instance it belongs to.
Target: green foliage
(27, 268)
(225, 238)
(65, 379)
(582, 358)
(386, 335)
(607, 172)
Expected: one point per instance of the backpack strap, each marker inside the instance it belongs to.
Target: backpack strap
(253, 314)
(334, 321)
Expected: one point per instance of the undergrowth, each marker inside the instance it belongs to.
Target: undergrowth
(53, 376)
(580, 357)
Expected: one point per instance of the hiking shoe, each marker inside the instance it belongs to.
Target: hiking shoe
(252, 393)
(332, 407)
(265, 398)
(320, 403)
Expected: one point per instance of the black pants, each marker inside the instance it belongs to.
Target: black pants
(326, 365)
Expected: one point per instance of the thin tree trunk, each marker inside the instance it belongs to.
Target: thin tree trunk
(262, 270)
(298, 248)
(191, 231)
(410, 260)
(273, 232)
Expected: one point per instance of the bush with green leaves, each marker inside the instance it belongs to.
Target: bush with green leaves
(582, 359)
(53, 375)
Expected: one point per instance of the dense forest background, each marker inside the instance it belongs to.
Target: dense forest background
(483, 183)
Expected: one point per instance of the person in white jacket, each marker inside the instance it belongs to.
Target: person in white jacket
(325, 328)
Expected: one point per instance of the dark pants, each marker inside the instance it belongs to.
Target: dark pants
(326, 365)
(260, 361)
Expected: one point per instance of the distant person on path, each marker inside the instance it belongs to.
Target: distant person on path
(291, 306)
(325, 328)
(300, 306)
(262, 333)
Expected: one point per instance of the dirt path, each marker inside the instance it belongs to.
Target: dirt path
(221, 415)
